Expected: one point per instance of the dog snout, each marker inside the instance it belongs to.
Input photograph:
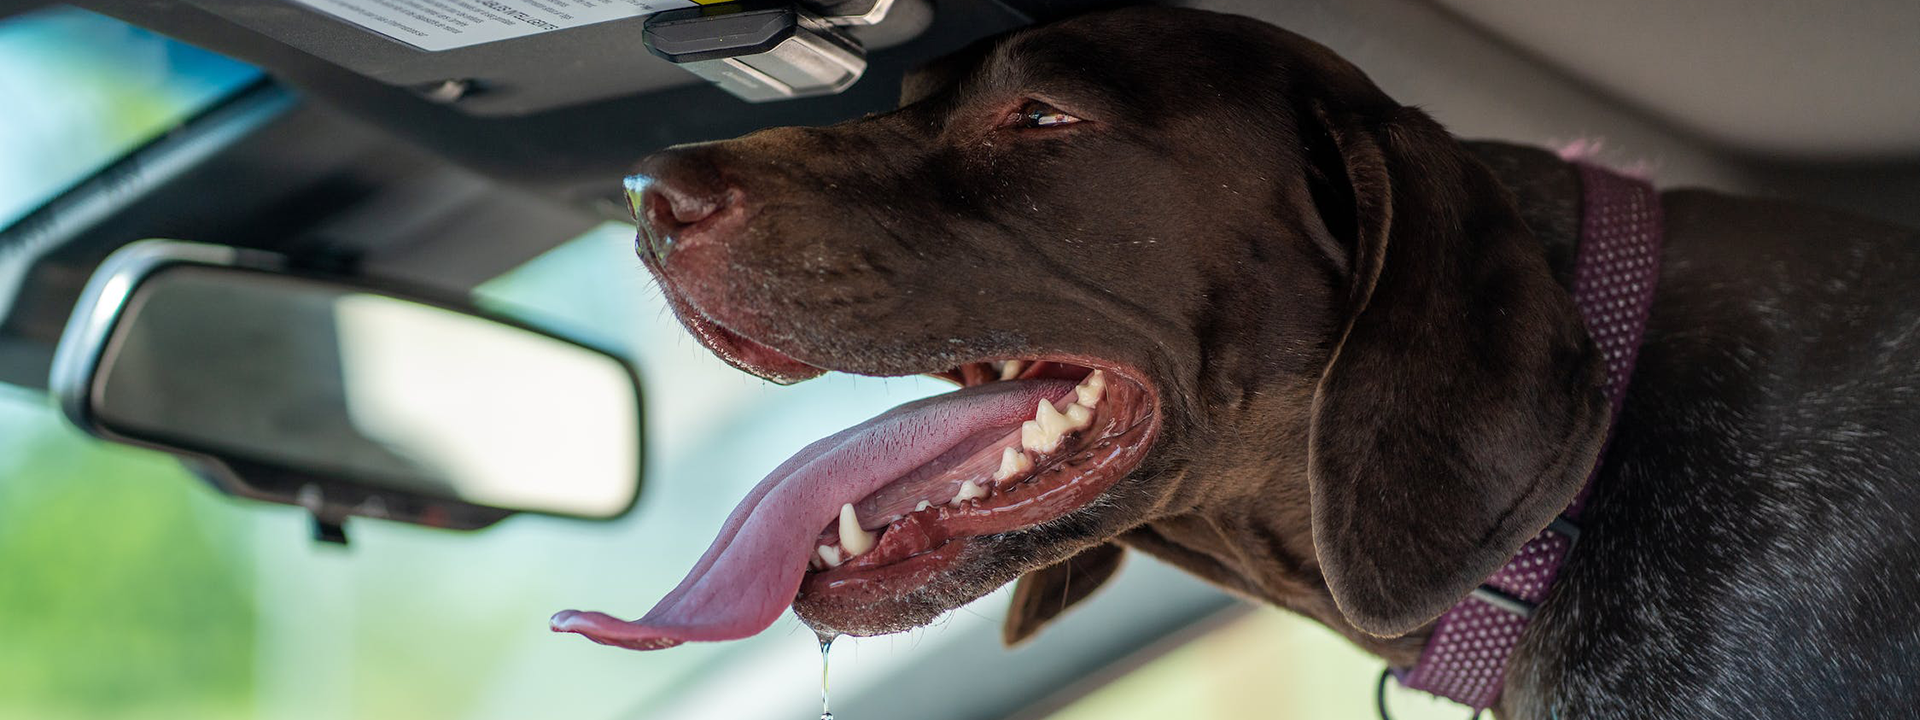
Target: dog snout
(677, 197)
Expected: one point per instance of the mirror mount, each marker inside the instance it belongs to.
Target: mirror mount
(329, 524)
(347, 469)
(327, 520)
(331, 532)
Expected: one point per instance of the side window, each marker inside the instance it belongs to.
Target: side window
(1263, 664)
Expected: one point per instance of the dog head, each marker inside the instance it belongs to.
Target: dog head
(1334, 361)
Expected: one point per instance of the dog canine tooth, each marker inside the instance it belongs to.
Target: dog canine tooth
(829, 555)
(969, 490)
(1011, 369)
(852, 537)
(1090, 390)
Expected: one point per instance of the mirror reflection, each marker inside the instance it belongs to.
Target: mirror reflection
(392, 393)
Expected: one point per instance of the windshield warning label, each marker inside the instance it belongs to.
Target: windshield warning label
(449, 24)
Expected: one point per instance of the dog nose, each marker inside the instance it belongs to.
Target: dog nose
(673, 193)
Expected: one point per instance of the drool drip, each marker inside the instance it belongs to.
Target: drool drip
(826, 644)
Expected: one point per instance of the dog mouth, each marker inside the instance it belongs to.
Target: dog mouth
(894, 550)
(884, 525)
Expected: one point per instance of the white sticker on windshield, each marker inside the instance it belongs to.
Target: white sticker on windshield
(449, 24)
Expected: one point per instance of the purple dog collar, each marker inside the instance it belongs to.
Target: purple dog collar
(1615, 269)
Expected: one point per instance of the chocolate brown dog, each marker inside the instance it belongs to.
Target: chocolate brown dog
(1324, 356)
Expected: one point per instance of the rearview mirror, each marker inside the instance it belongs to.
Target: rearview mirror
(345, 398)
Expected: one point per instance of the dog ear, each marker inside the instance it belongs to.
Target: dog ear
(1462, 407)
(1044, 594)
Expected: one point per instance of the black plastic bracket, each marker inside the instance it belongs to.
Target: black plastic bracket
(329, 531)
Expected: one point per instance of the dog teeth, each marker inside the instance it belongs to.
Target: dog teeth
(1080, 415)
(969, 490)
(830, 556)
(1011, 369)
(1012, 462)
(1050, 419)
(1035, 439)
(855, 539)
(1057, 422)
(1042, 434)
(1052, 422)
(1092, 389)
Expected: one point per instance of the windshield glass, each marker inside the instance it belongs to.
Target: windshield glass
(81, 90)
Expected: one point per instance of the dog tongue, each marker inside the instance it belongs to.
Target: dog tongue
(754, 567)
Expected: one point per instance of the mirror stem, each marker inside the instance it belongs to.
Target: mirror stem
(329, 531)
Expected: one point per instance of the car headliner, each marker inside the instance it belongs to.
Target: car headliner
(1758, 84)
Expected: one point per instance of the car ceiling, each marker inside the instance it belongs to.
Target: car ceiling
(1799, 80)
(565, 111)
(551, 120)
(517, 76)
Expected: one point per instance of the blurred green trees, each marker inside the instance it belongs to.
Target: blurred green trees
(124, 584)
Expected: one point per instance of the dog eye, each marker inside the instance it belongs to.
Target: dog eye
(1036, 114)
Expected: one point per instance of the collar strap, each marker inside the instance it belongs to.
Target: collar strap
(1615, 270)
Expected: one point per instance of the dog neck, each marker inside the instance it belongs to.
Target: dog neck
(1255, 538)
(1259, 545)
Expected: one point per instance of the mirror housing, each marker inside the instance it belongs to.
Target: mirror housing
(344, 396)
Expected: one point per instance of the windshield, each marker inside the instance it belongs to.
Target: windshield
(82, 90)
